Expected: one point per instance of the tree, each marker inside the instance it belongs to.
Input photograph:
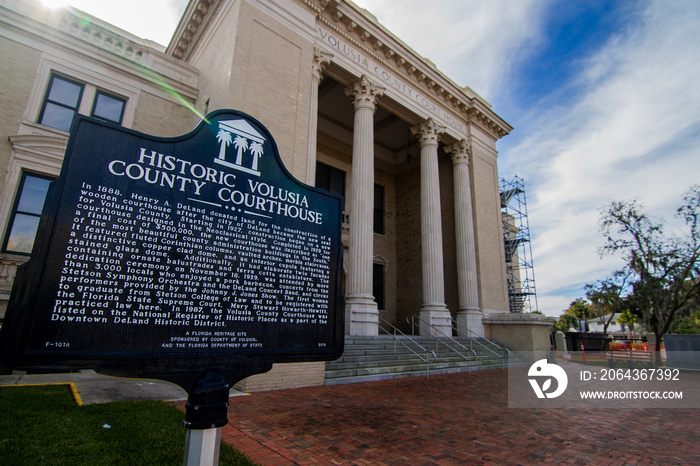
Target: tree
(629, 319)
(565, 322)
(665, 270)
(608, 297)
(581, 310)
(687, 324)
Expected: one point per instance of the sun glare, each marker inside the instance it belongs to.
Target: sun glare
(55, 4)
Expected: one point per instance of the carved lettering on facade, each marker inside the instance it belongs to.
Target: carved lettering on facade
(381, 75)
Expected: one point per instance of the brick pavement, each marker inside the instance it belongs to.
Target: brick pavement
(447, 420)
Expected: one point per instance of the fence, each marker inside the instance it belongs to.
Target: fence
(595, 342)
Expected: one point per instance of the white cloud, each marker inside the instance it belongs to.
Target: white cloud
(475, 43)
(631, 132)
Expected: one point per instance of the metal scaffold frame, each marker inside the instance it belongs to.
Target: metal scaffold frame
(522, 295)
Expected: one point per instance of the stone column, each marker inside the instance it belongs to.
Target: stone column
(321, 59)
(469, 312)
(361, 309)
(435, 318)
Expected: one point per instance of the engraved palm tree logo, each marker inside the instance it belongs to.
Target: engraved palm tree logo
(257, 150)
(224, 138)
(244, 137)
(241, 144)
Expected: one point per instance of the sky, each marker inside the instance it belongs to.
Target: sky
(604, 98)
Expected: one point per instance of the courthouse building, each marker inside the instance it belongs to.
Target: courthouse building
(352, 109)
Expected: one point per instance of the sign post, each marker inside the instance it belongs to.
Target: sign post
(206, 412)
(197, 259)
(202, 447)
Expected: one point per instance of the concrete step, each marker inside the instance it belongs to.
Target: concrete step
(384, 361)
(343, 370)
(383, 358)
(368, 346)
(421, 372)
(369, 354)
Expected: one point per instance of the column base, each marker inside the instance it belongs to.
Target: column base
(362, 317)
(435, 320)
(471, 319)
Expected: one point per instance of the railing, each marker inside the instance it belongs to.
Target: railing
(470, 351)
(425, 359)
(501, 352)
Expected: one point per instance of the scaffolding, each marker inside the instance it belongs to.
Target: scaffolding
(522, 296)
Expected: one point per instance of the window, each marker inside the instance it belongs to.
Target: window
(108, 107)
(64, 98)
(61, 102)
(26, 213)
(378, 284)
(330, 178)
(379, 209)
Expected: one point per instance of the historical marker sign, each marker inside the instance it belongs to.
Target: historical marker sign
(167, 255)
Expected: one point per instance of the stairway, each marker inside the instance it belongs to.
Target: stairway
(368, 359)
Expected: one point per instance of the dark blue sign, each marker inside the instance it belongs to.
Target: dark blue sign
(162, 255)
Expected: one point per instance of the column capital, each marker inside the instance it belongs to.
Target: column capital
(428, 132)
(459, 152)
(364, 93)
(321, 59)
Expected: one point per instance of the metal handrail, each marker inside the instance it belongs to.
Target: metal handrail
(449, 337)
(396, 339)
(472, 335)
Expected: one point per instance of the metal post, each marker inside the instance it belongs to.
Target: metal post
(206, 412)
(202, 447)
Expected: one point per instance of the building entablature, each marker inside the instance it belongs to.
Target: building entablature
(192, 24)
(363, 46)
(360, 29)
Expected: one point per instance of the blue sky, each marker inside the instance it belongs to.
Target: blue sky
(604, 97)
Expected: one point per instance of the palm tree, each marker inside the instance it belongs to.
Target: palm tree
(627, 318)
(257, 150)
(224, 138)
(241, 144)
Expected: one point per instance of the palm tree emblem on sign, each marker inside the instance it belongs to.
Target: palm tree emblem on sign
(246, 139)
(241, 144)
(224, 138)
(257, 150)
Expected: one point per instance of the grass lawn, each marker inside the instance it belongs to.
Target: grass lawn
(44, 425)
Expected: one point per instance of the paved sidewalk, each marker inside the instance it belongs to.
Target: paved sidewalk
(92, 387)
(450, 420)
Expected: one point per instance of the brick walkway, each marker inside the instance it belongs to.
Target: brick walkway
(447, 420)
